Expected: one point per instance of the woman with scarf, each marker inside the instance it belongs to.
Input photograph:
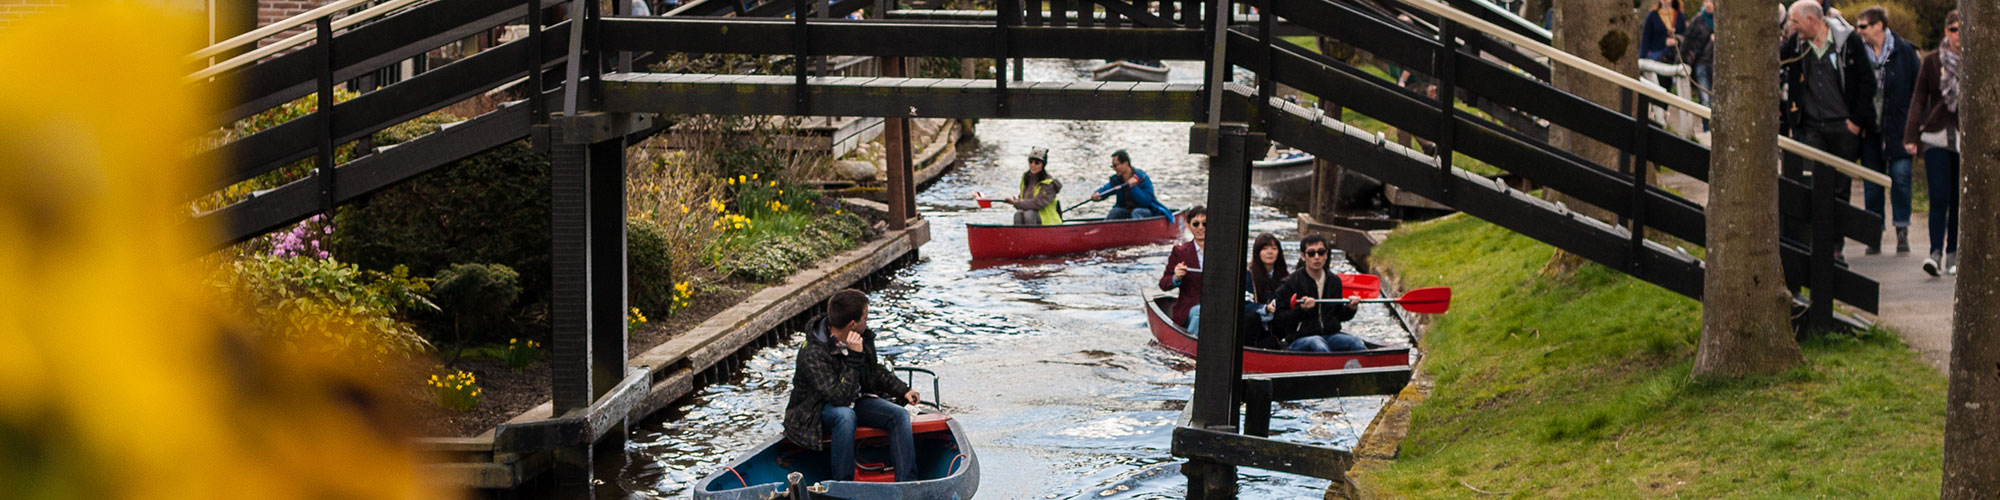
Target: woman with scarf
(1036, 206)
(1933, 129)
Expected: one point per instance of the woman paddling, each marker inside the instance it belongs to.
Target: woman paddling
(1036, 205)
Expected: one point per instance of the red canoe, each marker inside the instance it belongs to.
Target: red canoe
(998, 241)
(1258, 360)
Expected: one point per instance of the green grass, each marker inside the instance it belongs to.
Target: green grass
(1579, 387)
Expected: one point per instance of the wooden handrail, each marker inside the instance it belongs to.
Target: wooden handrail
(272, 29)
(290, 42)
(1657, 94)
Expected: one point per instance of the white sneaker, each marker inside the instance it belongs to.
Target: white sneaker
(1931, 264)
(1951, 263)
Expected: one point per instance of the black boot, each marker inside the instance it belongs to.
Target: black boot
(1902, 240)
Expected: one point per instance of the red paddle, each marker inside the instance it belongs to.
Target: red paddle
(1434, 300)
(1367, 286)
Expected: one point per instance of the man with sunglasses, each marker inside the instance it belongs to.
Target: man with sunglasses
(1302, 320)
(1895, 63)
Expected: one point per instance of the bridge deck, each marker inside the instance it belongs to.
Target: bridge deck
(674, 93)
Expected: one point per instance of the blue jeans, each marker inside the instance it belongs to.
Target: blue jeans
(839, 422)
(1131, 213)
(1703, 75)
(1941, 167)
(1337, 342)
(1874, 155)
(1194, 320)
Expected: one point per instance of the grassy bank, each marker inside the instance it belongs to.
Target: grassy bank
(1579, 387)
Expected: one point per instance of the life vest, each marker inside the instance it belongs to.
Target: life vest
(1051, 213)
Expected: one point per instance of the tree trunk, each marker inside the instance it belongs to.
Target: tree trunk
(1601, 31)
(1972, 411)
(1745, 314)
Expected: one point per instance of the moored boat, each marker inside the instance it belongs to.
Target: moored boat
(1260, 360)
(947, 468)
(1285, 178)
(1130, 71)
(1005, 241)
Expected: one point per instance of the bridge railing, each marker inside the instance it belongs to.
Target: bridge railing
(1625, 192)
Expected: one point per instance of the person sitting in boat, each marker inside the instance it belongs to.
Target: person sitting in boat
(1312, 325)
(1184, 272)
(1133, 188)
(1267, 270)
(1037, 205)
(839, 384)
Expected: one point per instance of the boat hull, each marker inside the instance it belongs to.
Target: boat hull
(760, 474)
(1127, 71)
(995, 241)
(1258, 360)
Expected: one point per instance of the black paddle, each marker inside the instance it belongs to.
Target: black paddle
(1100, 195)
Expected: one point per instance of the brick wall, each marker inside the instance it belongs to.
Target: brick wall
(12, 11)
(272, 11)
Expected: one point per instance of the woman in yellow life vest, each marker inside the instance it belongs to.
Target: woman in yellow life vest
(1037, 205)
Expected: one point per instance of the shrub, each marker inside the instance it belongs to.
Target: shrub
(493, 207)
(649, 269)
(338, 307)
(476, 297)
(458, 390)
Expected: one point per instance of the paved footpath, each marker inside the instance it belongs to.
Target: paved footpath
(1915, 305)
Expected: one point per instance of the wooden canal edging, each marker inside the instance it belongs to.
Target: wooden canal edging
(524, 446)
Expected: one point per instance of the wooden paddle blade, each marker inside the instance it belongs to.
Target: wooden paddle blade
(1434, 300)
(1366, 286)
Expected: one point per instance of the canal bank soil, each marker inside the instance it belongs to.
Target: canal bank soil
(507, 392)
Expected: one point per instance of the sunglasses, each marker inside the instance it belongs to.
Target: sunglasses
(1316, 253)
(1953, 29)
(1199, 223)
(1864, 26)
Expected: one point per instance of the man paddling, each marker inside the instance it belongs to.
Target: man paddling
(1308, 324)
(839, 384)
(1133, 188)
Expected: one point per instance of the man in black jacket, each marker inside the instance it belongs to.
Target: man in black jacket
(1895, 64)
(1829, 92)
(1309, 324)
(839, 384)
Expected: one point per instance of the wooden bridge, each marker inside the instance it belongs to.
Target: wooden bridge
(586, 102)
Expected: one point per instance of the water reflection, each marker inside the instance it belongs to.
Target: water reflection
(1047, 363)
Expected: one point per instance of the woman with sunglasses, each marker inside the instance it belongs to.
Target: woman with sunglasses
(1037, 205)
(1184, 271)
(1933, 129)
(1314, 326)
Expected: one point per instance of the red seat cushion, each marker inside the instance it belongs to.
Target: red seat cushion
(919, 424)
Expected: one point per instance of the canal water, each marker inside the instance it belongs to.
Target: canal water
(1049, 365)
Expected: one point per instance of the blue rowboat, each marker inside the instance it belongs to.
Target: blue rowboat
(947, 469)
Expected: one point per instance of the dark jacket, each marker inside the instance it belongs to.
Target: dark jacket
(1928, 112)
(826, 376)
(1653, 37)
(1190, 285)
(1899, 81)
(1857, 79)
(1294, 322)
(1696, 43)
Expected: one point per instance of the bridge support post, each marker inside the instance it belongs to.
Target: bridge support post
(588, 353)
(901, 197)
(1218, 388)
